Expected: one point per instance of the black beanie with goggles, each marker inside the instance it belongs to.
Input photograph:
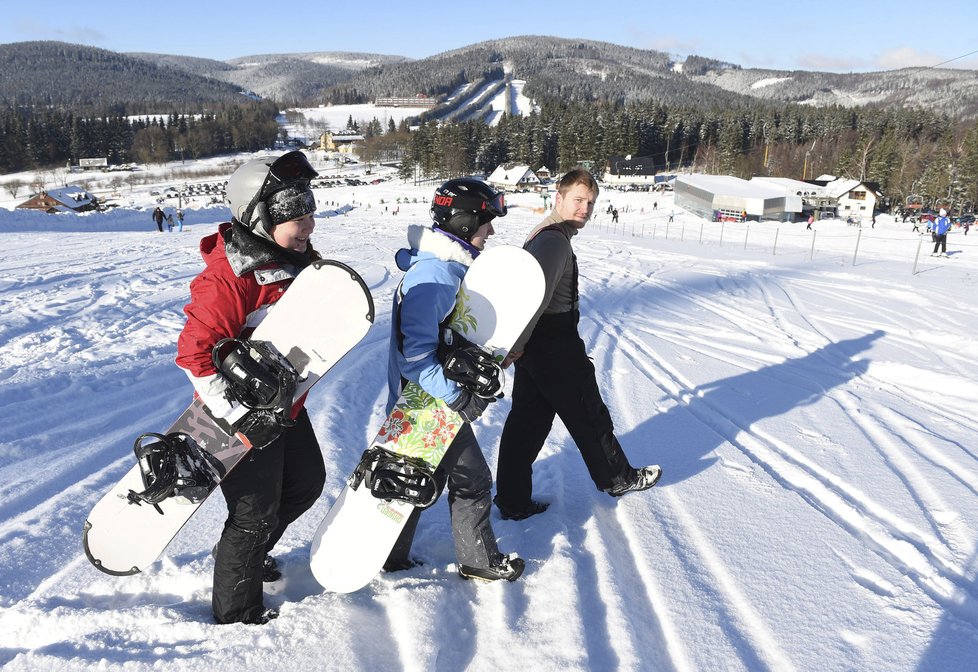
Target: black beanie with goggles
(290, 203)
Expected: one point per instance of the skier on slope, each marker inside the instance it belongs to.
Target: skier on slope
(250, 262)
(939, 228)
(462, 211)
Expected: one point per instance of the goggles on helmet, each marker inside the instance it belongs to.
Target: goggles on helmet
(288, 170)
(496, 207)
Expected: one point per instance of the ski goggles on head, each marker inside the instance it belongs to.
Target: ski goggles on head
(287, 170)
(495, 207)
(290, 169)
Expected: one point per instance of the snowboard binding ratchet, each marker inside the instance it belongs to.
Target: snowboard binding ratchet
(261, 380)
(470, 365)
(392, 476)
(171, 466)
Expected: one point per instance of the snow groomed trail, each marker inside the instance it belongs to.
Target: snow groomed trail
(814, 418)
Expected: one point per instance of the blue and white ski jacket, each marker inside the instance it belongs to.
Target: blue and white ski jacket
(426, 296)
(942, 225)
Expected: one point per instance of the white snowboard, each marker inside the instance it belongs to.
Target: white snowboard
(325, 312)
(500, 293)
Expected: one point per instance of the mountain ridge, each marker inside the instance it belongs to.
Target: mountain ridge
(555, 69)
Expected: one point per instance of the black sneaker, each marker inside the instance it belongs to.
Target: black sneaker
(270, 572)
(264, 617)
(531, 509)
(401, 565)
(509, 567)
(644, 479)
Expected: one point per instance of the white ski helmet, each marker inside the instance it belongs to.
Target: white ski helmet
(271, 190)
(943, 212)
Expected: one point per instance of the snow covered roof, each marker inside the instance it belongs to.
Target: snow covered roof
(513, 175)
(731, 186)
(73, 197)
(792, 186)
(841, 187)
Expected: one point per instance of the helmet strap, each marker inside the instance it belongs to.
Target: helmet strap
(261, 209)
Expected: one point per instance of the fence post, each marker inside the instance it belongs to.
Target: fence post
(701, 233)
(856, 251)
(722, 224)
(667, 230)
(811, 255)
(746, 233)
(682, 233)
(777, 231)
(920, 243)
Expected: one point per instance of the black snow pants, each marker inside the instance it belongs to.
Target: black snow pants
(555, 377)
(265, 493)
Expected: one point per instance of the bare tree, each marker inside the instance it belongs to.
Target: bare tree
(14, 186)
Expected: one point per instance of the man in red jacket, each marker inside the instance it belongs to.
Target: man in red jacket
(250, 262)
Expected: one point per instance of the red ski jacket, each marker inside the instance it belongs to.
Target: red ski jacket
(244, 275)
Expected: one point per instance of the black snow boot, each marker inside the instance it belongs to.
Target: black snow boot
(644, 479)
(509, 567)
(531, 509)
(270, 571)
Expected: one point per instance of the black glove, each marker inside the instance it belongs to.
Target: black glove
(470, 406)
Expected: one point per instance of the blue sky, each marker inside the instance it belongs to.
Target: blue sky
(833, 36)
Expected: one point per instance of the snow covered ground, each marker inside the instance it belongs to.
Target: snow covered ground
(810, 397)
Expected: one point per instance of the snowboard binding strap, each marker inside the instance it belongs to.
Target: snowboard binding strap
(392, 476)
(261, 380)
(470, 365)
(170, 467)
(258, 377)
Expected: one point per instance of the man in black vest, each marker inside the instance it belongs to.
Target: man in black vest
(554, 376)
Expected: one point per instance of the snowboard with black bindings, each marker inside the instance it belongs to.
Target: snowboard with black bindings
(321, 316)
(498, 296)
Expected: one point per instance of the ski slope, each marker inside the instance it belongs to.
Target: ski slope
(813, 410)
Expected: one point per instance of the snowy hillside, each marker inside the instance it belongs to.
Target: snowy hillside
(938, 89)
(810, 398)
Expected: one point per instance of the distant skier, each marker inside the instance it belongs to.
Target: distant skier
(939, 228)
(158, 217)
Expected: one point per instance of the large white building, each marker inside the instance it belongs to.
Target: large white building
(731, 197)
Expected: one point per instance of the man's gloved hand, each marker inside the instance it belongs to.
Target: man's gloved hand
(212, 390)
(470, 406)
